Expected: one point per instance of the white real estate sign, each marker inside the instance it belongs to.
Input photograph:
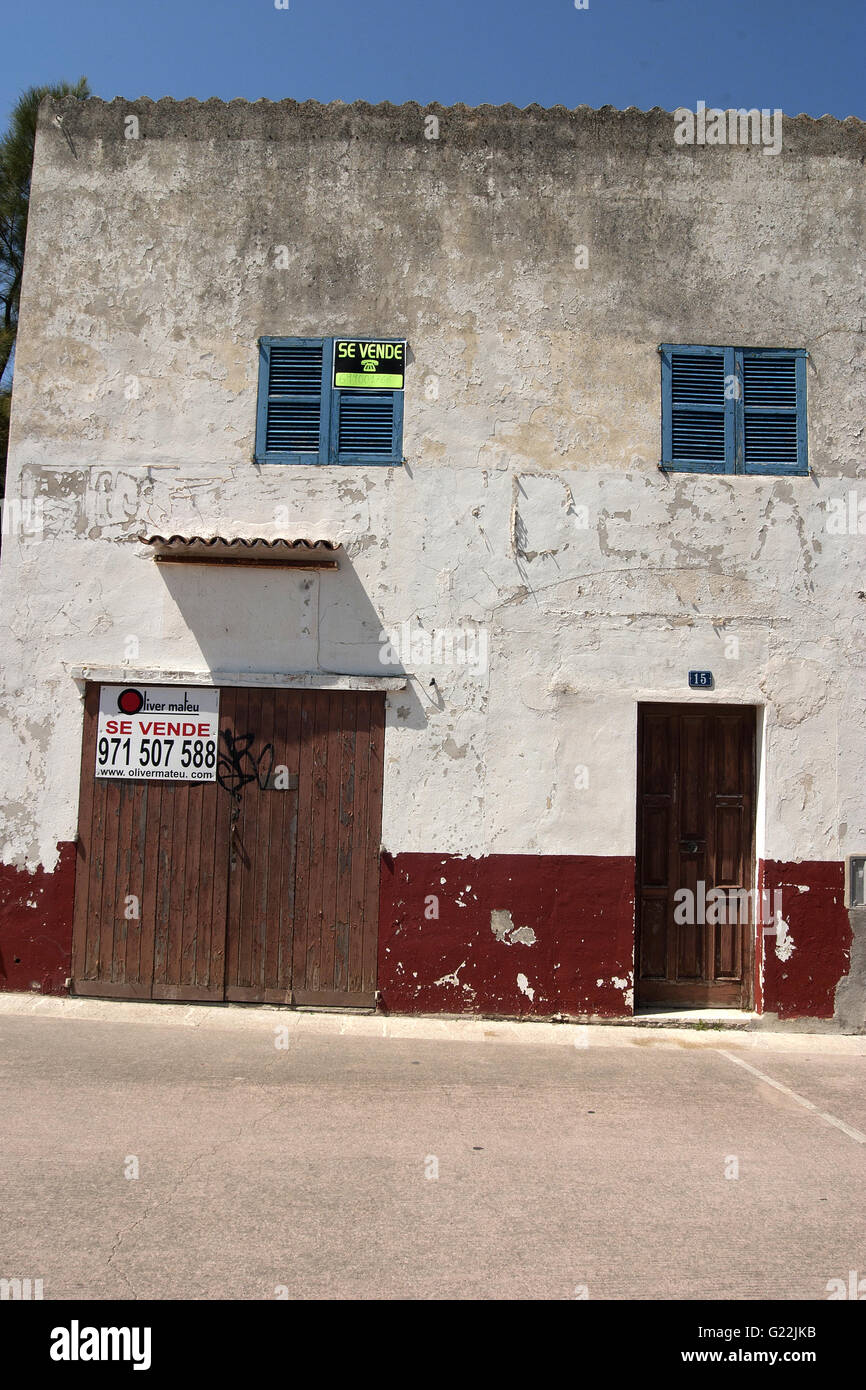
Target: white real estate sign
(158, 731)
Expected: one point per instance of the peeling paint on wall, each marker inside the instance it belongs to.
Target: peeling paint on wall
(504, 929)
(36, 925)
(579, 910)
(802, 982)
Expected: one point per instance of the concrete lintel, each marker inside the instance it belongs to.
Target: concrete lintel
(300, 680)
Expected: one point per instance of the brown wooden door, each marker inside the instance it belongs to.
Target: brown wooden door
(304, 775)
(258, 772)
(260, 886)
(150, 884)
(339, 843)
(695, 832)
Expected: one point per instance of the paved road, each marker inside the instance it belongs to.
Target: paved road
(314, 1168)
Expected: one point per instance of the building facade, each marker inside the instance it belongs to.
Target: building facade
(432, 571)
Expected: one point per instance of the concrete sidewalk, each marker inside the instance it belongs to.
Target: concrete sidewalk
(707, 1029)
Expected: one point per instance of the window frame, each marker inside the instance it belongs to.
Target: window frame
(734, 464)
(329, 408)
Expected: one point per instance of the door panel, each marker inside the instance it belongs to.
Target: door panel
(260, 886)
(339, 820)
(696, 777)
(146, 924)
(263, 784)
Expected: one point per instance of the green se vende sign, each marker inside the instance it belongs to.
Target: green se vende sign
(377, 366)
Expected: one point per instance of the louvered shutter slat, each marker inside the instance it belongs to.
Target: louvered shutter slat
(770, 410)
(366, 426)
(771, 438)
(698, 407)
(294, 398)
(293, 427)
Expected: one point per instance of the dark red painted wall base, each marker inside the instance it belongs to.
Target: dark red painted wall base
(580, 909)
(36, 925)
(813, 905)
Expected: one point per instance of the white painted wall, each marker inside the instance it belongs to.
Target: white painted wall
(530, 508)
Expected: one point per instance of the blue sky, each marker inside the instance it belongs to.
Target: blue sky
(800, 55)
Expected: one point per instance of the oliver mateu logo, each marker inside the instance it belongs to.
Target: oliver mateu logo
(77, 1343)
(711, 126)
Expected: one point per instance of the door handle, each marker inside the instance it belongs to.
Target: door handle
(691, 846)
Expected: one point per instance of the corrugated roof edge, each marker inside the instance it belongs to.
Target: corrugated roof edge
(302, 543)
(388, 107)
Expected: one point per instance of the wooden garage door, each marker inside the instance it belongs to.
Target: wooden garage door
(260, 886)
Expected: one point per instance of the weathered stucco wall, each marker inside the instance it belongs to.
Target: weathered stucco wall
(530, 509)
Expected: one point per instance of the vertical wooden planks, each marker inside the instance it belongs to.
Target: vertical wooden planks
(339, 832)
(358, 889)
(125, 925)
(300, 946)
(277, 818)
(343, 936)
(162, 905)
(258, 805)
(231, 725)
(81, 957)
(374, 841)
(177, 872)
(330, 839)
(190, 923)
(285, 908)
(150, 883)
(137, 958)
(313, 962)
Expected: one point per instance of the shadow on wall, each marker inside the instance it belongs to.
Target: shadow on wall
(267, 619)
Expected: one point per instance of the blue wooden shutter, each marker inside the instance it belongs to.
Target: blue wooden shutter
(774, 411)
(367, 427)
(697, 417)
(302, 419)
(292, 425)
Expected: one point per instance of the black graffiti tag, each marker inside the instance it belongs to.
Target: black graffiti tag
(236, 767)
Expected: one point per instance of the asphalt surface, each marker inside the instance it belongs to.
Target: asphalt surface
(402, 1167)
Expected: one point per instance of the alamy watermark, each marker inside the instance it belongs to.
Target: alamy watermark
(22, 516)
(77, 1343)
(712, 126)
(414, 645)
(855, 1288)
(19, 1289)
(727, 906)
(846, 516)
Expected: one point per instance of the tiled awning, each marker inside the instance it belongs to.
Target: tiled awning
(237, 550)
